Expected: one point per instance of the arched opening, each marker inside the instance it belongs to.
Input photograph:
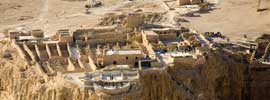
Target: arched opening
(114, 62)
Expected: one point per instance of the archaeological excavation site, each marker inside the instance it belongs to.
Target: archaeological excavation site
(134, 49)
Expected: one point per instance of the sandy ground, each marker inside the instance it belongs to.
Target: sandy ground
(231, 17)
(49, 15)
(52, 15)
(234, 18)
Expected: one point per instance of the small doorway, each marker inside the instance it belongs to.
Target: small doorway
(114, 62)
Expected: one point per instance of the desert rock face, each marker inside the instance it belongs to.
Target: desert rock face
(158, 85)
(223, 78)
(220, 77)
(19, 81)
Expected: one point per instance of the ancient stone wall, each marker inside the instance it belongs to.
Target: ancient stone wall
(167, 37)
(53, 49)
(64, 49)
(37, 33)
(128, 59)
(189, 2)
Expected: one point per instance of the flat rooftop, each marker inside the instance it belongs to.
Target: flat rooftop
(150, 33)
(123, 52)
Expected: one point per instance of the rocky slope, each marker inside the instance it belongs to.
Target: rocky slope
(219, 77)
(20, 82)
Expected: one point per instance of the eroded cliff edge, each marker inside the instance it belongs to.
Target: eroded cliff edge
(219, 76)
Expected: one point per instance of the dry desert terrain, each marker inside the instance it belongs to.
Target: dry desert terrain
(231, 17)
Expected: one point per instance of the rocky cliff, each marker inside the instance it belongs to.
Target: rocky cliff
(219, 77)
(20, 81)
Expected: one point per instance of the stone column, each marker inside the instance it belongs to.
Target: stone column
(70, 67)
(20, 51)
(48, 51)
(38, 52)
(91, 63)
(140, 64)
(58, 50)
(68, 49)
(30, 53)
(81, 63)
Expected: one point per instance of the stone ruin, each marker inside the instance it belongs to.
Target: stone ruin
(105, 59)
(131, 20)
(189, 2)
(171, 43)
(113, 81)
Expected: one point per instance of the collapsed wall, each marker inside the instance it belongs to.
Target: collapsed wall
(130, 20)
